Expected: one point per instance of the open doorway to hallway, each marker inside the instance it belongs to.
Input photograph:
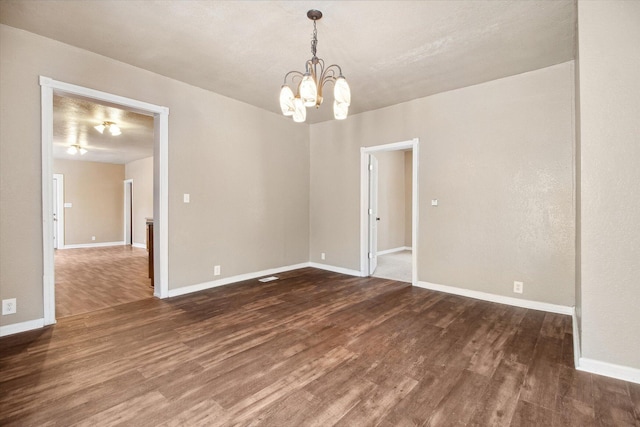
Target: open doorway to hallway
(101, 259)
(389, 211)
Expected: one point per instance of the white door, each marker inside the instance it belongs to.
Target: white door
(55, 212)
(373, 214)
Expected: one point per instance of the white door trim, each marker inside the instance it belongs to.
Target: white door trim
(128, 210)
(364, 203)
(160, 188)
(59, 224)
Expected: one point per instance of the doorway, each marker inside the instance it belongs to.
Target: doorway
(49, 87)
(369, 209)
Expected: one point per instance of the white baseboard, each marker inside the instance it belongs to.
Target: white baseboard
(93, 245)
(139, 245)
(619, 372)
(16, 328)
(390, 251)
(233, 279)
(517, 302)
(335, 269)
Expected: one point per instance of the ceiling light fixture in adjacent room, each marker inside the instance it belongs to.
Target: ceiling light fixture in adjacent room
(309, 84)
(113, 128)
(75, 149)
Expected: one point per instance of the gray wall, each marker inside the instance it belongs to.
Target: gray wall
(96, 193)
(141, 172)
(247, 171)
(498, 156)
(391, 200)
(609, 36)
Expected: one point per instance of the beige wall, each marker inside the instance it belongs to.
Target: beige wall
(498, 156)
(609, 36)
(96, 193)
(408, 197)
(141, 172)
(247, 171)
(391, 200)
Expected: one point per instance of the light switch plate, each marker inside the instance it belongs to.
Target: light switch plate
(186, 197)
(434, 202)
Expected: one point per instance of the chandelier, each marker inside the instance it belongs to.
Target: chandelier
(75, 149)
(309, 85)
(113, 128)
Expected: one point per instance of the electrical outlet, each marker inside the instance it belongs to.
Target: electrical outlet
(9, 306)
(322, 255)
(216, 270)
(518, 287)
(93, 237)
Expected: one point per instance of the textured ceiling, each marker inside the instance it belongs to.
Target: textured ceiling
(74, 121)
(390, 51)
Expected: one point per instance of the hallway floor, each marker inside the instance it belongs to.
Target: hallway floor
(91, 279)
(396, 266)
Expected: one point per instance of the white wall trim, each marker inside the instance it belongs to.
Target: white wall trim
(335, 269)
(128, 184)
(619, 372)
(485, 296)
(16, 328)
(93, 245)
(233, 279)
(139, 245)
(412, 144)
(59, 223)
(161, 182)
(390, 251)
(577, 349)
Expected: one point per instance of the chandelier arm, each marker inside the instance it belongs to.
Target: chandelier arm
(332, 67)
(294, 74)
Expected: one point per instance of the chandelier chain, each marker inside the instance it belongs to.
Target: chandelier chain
(314, 40)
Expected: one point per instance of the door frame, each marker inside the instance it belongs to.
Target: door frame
(128, 211)
(372, 214)
(48, 87)
(59, 202)
(412, 144)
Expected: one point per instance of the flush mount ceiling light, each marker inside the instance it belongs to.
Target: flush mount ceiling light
(75, 149)
(309, 84)
(113, 128)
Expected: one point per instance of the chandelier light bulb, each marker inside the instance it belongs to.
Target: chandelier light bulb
(341, 91)
(308, 90)
(72, 150)
(300, 112)
(100, 128)
(115, 130)
(340, 110)
(82, 151)
(286, 101)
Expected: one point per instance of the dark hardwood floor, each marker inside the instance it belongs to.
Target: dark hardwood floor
(311, 349)
(91, 279)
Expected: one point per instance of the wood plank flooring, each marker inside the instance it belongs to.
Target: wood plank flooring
(311, 349)
(90, 279)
